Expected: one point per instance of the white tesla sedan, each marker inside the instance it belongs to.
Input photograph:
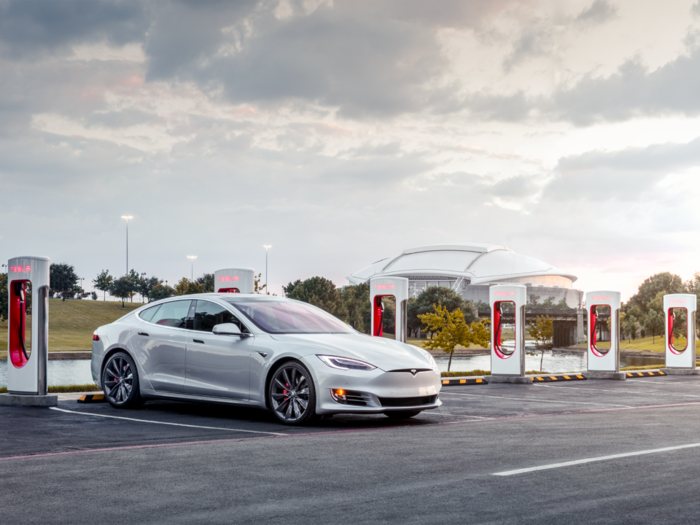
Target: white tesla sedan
(287, 356)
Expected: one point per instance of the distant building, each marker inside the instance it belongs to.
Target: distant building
(470, 269)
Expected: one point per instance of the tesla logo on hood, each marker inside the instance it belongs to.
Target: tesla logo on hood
(414, 372)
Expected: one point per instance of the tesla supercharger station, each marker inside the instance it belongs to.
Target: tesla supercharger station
(508, 360)
(234, 280)
(396, 287)
(680, 352)
(604, 356)
(28, 283)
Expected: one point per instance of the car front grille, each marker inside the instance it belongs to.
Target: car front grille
(355, 399)
(407, 401)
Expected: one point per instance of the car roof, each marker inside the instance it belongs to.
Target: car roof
(228, 296)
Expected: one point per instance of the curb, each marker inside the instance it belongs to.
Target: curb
(456, 381)
(549, 379)
(92, 398)
(646, 374)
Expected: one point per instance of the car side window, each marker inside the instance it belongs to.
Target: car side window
(172, 314)
(207, 315)
(148, 313)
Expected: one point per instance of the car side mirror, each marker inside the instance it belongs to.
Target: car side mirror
(227, 329)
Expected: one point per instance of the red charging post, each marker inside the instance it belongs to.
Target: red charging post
(28, 341)
(396, 287)
(681, 311)
(604, 335)
(234, 280)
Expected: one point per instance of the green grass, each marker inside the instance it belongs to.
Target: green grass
(72, 322)
(65, 389)
(463, 374)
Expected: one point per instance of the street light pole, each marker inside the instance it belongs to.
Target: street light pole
(127, 217)
(192, 258)
(267, 247)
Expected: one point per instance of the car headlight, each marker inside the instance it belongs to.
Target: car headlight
(345, 363)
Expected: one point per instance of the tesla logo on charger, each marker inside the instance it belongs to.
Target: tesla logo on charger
(226, 278)
(383, 286)
(20, 269)
(676, 301)
(600, 298)
(501, 294)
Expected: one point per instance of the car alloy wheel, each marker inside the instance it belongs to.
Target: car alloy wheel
(120, 382)
(292, 394)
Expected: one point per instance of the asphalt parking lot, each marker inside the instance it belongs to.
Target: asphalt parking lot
(582, 451)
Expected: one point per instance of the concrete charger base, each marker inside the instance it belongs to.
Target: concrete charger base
(14, 400)
(681, 371)
(503, 378)
(596, 374)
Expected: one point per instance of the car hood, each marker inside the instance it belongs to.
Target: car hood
(378, 351)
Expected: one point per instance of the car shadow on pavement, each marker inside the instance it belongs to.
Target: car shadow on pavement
(194, 411)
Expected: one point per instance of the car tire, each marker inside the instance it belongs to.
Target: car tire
(120, 382)
(403, 414)
(292, 394)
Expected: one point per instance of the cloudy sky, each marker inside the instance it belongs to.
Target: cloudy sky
(341, 132)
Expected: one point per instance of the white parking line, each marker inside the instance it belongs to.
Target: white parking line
(593, 460)
(536, 400)
(172, 424)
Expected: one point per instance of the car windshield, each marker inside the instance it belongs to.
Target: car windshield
(290, 317)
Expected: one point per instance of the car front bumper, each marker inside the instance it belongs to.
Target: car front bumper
(375, 391)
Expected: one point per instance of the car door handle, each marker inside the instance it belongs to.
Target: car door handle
(198, 341)
(143, 333)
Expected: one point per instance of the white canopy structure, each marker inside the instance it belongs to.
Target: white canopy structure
(470, 269)
(473, 263)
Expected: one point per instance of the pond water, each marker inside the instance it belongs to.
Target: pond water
(77, 372)
(69, 372)
(554, 362)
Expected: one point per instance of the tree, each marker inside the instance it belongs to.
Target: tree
(452, 330)
(542, 331)
(629, 325)
(94, 296)
(319, 292)
(161, 291)
(146, 287)
(259, 288)
(63, 280)
(413, 322)
(661, 282)
(693, 286)
(207, 280)
(186, 287)
(4, 298)
(654, 321)
(289, 289)
(122, 288)
(441, 295)
(102, 282)
(138, 283)
(356, 304)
